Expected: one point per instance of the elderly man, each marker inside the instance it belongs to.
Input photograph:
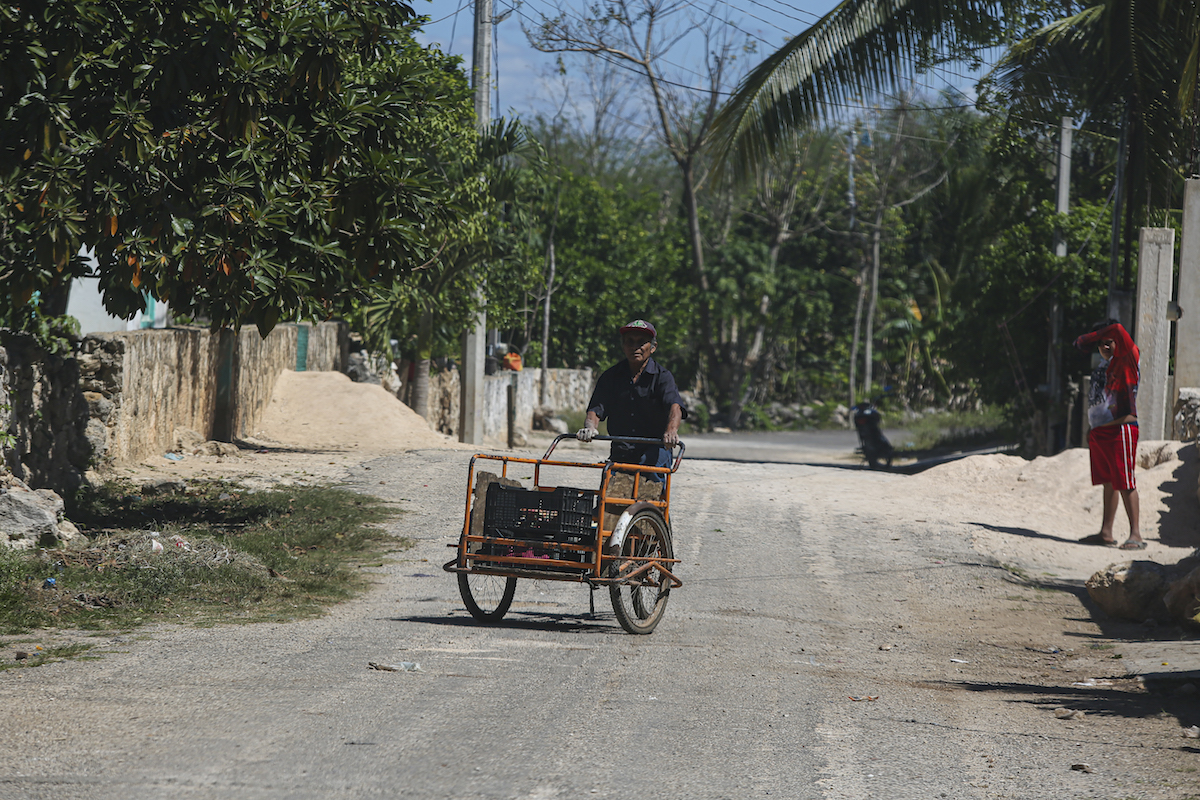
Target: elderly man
(638, 397)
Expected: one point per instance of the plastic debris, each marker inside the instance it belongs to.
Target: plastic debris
(1192, 732)
(1093, 682)
(886, 646)
(1086, 768)
(156, 546)
(172, 456)
(49, 583)
(403, 666)
(1068, 713)
(959, 661)
(859, 698)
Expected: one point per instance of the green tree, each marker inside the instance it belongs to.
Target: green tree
(493, 187)
(238, 160)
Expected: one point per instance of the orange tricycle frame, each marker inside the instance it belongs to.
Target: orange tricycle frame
(476, 549)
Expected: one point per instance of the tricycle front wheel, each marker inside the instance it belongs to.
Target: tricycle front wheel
(487, 597)
(639, 604)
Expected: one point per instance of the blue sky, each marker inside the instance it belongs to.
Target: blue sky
(527, 81)
(526, 76)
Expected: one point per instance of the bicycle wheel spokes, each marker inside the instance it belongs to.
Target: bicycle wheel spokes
(487, 597)
(639, 602)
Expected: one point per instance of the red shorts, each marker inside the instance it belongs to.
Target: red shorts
(1113, 450)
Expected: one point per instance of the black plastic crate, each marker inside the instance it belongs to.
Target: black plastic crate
(561, 515)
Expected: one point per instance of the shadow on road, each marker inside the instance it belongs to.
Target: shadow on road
(528, 621)
(1097, 701)
(1025, 532)
(1177, 522)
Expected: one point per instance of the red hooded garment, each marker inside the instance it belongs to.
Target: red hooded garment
(1115, 395)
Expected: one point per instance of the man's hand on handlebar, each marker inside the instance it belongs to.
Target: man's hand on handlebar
(671, 438)
(585, 434)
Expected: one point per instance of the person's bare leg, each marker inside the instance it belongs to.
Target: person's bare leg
(1110, 511)
(1132, 510)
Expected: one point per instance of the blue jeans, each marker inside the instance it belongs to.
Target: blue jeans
(650, 457)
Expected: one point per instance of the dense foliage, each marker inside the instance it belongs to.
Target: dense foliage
(244, 161)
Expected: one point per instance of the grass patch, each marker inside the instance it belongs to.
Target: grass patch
(226, 555)
(39, 656)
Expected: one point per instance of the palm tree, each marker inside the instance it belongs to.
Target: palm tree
(1136, 55)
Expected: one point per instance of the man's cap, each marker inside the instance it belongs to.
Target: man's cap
(638, 326)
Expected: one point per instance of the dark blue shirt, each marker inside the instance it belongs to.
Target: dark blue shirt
(636, 409)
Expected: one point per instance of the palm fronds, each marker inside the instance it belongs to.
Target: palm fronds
(859, 49)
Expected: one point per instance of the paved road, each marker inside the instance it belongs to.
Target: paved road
(795, 601)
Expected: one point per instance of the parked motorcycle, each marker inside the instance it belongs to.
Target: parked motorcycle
(874, 446)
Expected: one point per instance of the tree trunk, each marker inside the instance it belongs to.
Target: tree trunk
(754, 353)
(420, 393)
(869, 347)
(696, 241)
(546, 319)
(858, 309)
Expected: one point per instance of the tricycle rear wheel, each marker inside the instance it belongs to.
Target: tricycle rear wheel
(487, 597)
(639, 605)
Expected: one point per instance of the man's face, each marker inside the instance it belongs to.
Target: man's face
(1106, 349)
(638, 348)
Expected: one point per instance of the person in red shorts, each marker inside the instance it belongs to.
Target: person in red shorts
(1112, 415)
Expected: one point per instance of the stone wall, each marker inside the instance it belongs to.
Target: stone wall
(141, 386)
(260, 361)
(43, 414)
(566, 390)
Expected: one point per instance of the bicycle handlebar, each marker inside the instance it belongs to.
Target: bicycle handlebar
(634, 439)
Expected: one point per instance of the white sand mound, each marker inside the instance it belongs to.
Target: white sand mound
(328, 410)
(1033, 513)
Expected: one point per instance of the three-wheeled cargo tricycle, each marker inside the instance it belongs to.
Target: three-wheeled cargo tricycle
(618, 535)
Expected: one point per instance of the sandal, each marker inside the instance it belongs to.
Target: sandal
(1130, 544)
(1097, 539)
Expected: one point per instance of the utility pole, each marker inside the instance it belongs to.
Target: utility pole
(1120, 300)
(474, 339)
(1054, 352)
(1064, 182)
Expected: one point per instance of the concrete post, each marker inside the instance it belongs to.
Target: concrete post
(473, 343)
(1156, 263)
(1187, 330)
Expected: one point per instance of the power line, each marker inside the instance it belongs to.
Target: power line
(454, 14)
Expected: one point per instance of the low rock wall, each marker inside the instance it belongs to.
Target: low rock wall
(43, 414)
(566, 390)
(140, 386)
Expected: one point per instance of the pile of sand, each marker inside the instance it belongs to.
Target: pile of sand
(327, 410)
(1032, 513)
(317, 427)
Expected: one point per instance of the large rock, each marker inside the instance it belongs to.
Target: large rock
(1130, 590)
(30, 518)
(545, 420)
(1141, 590)
(1182, 599)
(1187, 414)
